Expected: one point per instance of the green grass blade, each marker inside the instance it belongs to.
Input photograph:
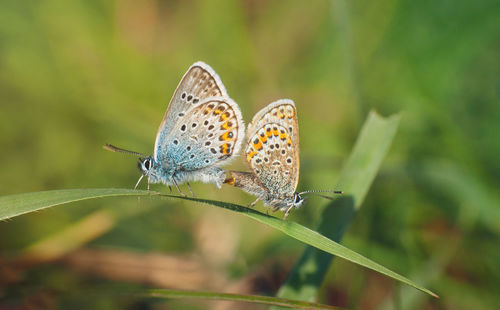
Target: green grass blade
(314, 239)
(355, 180)
(265, 300)
(15, 205)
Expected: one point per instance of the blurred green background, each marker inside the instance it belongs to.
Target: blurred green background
(75, 75)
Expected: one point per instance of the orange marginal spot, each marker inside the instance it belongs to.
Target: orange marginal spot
(289, 141)
(228, 135)
(225, 116)
(229, 181)
(219, 110)
(275, 132)
(283, 136)
(208, 109)
(251, 155)
(227, 125)
(257, 145)
(269, 133)
(263, 139)
(224, 149)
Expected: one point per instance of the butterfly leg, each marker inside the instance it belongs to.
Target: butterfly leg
(177, 186)
(137, 184)
(170, 189)
(189, 186)
(287, 212)
(271, 208)
(254, 203)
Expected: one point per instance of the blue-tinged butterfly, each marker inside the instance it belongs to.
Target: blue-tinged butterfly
(201, 130)
(272, 152)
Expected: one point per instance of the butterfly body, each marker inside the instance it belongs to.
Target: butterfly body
(273, 198)
(173, 174)
(201, 130)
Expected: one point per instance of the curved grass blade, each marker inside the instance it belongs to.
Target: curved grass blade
(15, 205)
(355, 180)
(265, 300)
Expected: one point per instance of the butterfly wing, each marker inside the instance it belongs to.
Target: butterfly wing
(282, 112)
(209, 134)
(272, 150)
(199, 82)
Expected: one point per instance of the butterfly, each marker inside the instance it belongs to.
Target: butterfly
(272, 152)
(202, 129)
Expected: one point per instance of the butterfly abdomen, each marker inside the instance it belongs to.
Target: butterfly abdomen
(247, 182)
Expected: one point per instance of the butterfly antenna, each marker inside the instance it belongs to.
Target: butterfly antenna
(113, 148)
(320, 191)
(322, 196)
(315, 193)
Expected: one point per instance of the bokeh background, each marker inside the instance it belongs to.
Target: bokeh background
(75, 75)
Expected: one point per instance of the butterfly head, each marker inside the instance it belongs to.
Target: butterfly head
(298, 200)
(145, 164)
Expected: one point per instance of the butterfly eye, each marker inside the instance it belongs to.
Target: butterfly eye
(147, 164)
(297, 198)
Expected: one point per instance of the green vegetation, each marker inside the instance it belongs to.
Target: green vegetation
(78, 74)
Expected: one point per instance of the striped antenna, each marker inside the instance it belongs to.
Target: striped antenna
(113, 148)
(315, 193)
(321, 191)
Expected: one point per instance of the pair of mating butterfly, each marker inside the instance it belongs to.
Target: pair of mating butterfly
(203, 129)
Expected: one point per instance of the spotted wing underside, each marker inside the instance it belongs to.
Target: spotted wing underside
(211, 135)
(272, 149)
(199, 83)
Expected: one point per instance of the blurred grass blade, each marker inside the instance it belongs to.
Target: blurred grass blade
(15, 205)
(265, 300)
(355, 179)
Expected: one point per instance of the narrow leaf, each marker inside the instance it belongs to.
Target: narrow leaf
(355, 180)
(15, 205)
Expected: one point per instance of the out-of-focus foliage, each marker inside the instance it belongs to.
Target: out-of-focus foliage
(77, 74)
